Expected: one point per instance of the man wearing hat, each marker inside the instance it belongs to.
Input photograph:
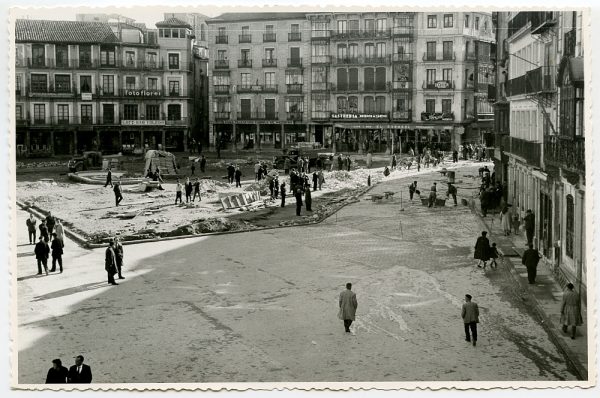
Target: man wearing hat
(119, 256)
(110, 262)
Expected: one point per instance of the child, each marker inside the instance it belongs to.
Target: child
(494, 255)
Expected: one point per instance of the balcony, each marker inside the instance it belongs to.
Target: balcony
(320, 59)
(221, 89)
(438, 85)
(373, 60)
(40, 63)
(269, 62)
(528, 150)
(320, 35)
(362, 34)
(565, 152)
(403, 31)
(142, 65)
(322, 87)
(320, 115)
(535, 81)
(519, 21)
(269, 37)
(249, 115)
(245, 39)
(222, 39)
(221, 64)
(222, 115)
(446, 56)
(294, 36)
(347, 87)
(244, 63)
(402, 85)
(294, 116)
(51, 91)
(294, 62)
(437, 116)
(348, 61)
(270, 88)
(542, 21)
(404, 116)
(402, 57)
(470, 56)
(294, 88)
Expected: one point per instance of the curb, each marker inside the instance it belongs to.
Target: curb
(573, 363)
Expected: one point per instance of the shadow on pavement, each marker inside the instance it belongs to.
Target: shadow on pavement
(71, 290)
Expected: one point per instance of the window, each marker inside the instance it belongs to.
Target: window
(342, 52)
(570, 226)
(269, 33)
(369, 105)
(432, 21)
(18, 84)
(39, 83)
(353, 51)
(319, 74)
(476, 23)
(39, 113)
(293, 77)
(152, 83)
(245, 57)
(342, 79)
(221, 31)
(129, 58)
(353, 104)
(19, 112)
(381, 50)
(38, 55)
(245, 30)
(62, 113)
(430, 106)
(86, 114)
(448, 20)
(221, 55)
(342, 27)
(294, 105)
(485, 25)
(381, 25)
(175, 33)
(369, 51)
(269, 52)
(246, 79)
(447, 74)
(173, 61)
(202, 33)
(431, 50)
(353, 27)
(62, 55)
(380, 104)
(165, 33)
(151, 60)
(62, 83)
(270, 79)
(448, 50)
(108, 113)
(380, 78)
(130, 111)
(85, 84)
(571, 109)
(320, 104)
(174, 112)
(370, 25)
(446, 105)
(430, 76)
(342, 104)
(130, 82)
(369, 78)
(108, 84)
(467, 16)
(353, 79)
(295, 28)
(107, 56)
(174, 88)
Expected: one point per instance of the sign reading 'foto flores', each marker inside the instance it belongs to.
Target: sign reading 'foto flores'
(142, 93)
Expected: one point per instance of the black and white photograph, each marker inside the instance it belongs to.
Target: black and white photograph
(368, 197)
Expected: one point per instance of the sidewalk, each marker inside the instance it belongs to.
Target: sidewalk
(545, 295)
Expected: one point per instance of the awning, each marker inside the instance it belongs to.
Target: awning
(373, 126)
(574, 66)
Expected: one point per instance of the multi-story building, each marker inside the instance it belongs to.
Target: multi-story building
(113, 87)
(540, 84)
(197, 22)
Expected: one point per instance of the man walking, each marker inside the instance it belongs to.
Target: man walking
(57, 252)
(298, 195)
(110, 262)
(308, 199)
(197, 190)
(529, 226)
(41, 255)
(80, 373)
(348, 305)
(238, 177)
(203, 164)
(50, 222)
(315, 178)
(57, 374)
(412, 188)
(108, 178)
(43, 229)
(60, 232)
(470, 316)
(530, 260)
(188, 190)
(482, 250)
(31, 228)
(282, 189)
(178, 190)
(119, 256)
(452, 192)
(433, 194)
(570, 311)
(321, 179)
(118, 194)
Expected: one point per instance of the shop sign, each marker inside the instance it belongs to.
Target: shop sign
(436, 116)
(141, 93)
(143, 122)
(359, 116)
(442, 84)
(86, 96)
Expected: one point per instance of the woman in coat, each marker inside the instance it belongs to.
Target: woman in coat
(482, 249)
(570, 314)
(505, 219)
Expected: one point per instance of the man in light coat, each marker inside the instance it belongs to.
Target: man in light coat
(348, 305)
(470, 316)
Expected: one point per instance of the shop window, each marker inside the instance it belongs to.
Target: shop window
(174, 112)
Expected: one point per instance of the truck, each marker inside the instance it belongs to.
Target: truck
(93, 160)
(315, 158)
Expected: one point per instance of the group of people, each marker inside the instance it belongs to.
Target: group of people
(476, 152)
(50, 228)
(113, 260)
(235, 174)
(484, 252)
(491, 192)
(189, 187)
(79, 373)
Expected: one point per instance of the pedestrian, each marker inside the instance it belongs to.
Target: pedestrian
(505, 220)
(57, 251)
(257, 171)
(470, 316)
(412, 188)
(50, 222)
(41, 254)
(80, 373)
(570, 311)
(178, 190)
(394, 162)
(418, 163)
(386, 171)
(286, 166)
(308, 200)
(529, 225)
(110, 263)
(298, 196)
(43, 229)
(117, 191)
(348, 305)
(272, 187)
(238, 177)
(108, 178)
(300, 164)
(197, 190)
(31, 228)
(203, 164)
(494, 255)
(530, 260)
(315, 179)
(369, 160)
(452, 192)
(433, 195)
(484, 201)
(455, 156)
(189, 187)
(60, 232)
(275, 187)
(321, 179)
(340, 162)
(119, 256)
(516, 223)
(482, 250)
(348, 163)
(57, 374)
(193, 167)
(282, 190)
(230, 173)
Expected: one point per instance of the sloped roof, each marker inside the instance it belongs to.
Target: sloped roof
(44, 31)
(174, 22)
(256, 16)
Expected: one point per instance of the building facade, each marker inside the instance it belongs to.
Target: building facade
(101, 86)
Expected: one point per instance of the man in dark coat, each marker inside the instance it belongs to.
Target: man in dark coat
(193, 167)
(41, 255)
(482, 250)
(433, 194)
(484, 200)
(348, 305)
(43, 229)
(197, 190)
(282, 189)
(108, 178)
(308, 199)
(50, 222)
(530, 260)
(31, 228)
(238, 177)
(412, 188)
(470, 316)
(455, 156)
(298, 195)
(119, 257)
(230, 173)
(57, 252)
(203, 164)
(271, 187)
(118, 194)
(110, 263)
(452, 192)
(57, 374)
(529, 226)
(315, 178)
(80, 373)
